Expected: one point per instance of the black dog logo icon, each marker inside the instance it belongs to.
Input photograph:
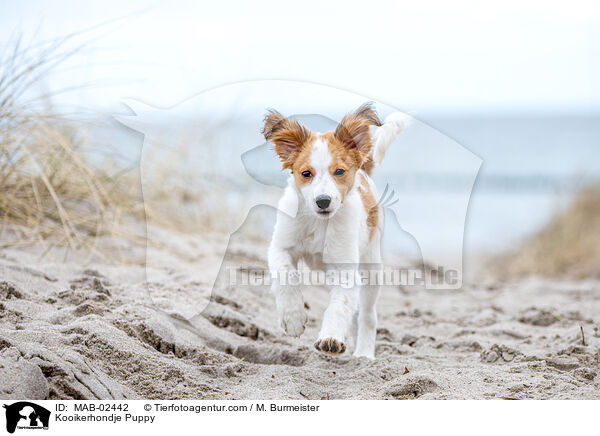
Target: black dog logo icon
(26, 415)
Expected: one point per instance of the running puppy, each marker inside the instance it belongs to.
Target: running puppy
(329, 218)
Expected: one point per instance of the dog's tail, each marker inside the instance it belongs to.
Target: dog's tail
(394, 123)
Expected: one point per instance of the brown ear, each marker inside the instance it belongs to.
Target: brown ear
(354, 130)
(367, 113)
(288, 136)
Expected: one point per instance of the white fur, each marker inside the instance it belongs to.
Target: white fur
(322, 183)
(339, 242)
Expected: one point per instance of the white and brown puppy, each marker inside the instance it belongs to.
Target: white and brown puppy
(329, 218)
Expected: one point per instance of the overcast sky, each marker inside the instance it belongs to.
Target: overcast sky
(418, 55)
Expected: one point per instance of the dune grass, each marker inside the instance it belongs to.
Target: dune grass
(568, 247)
(49, 192)
(52, 194)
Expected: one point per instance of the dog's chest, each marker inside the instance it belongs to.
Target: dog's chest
(311, 236)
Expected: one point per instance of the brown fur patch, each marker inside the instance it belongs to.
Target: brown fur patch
(302, 163)
(290, 137)
(368, 165)
(355, 133)
(367, 113)
(370, 205)
(343, 158)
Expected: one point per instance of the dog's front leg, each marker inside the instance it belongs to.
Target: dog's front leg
(285, 285)
(338, 318)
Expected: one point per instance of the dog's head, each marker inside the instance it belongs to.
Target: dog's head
(324, 165)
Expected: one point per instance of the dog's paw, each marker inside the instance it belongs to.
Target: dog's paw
(330, 346)
(293, 321)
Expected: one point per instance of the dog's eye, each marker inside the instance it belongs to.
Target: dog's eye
(339, 172)
(306, 174)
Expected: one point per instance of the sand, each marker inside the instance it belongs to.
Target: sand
(86, 329)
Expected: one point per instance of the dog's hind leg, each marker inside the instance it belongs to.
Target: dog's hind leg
(353, 331)
(367, 306)
(367, 322)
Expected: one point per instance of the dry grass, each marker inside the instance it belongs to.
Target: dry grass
(50, 194)
(53, 196)
(568, 247)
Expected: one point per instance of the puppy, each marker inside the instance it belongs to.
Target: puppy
(328, 217)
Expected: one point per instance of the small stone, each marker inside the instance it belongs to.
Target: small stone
(537, 317)
(507, 357)
(489, 356)
(409, 340)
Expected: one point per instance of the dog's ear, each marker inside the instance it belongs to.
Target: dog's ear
(354, 130)
(288, 136)
(367, 113)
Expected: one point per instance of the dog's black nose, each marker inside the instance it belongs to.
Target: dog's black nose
(323, 201)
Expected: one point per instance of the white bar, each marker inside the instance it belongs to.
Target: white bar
(485, 418)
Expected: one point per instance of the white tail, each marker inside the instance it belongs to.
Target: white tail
(385, 135)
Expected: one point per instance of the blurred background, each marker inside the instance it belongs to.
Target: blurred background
(514, 83)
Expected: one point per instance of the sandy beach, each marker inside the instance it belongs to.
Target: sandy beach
(97, 330)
